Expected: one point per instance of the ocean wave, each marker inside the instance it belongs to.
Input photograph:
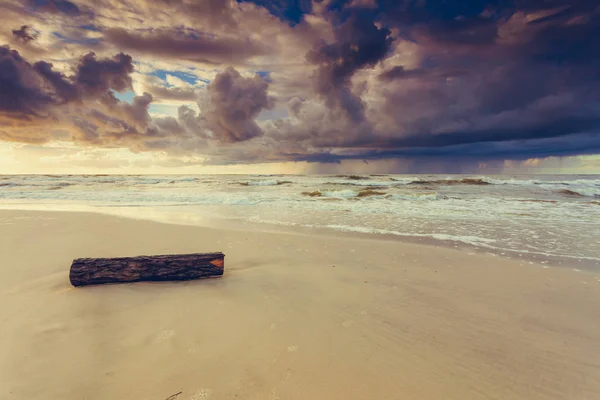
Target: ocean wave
(476, 241)
(570, 193)
(369, 193)
(267, 182)
(544, 183)
(416, 196)
(353, 177)
(352, 194)
(589, 192)
(404, 181)
(340, 194)
(60, 185)
(580, 192)
(315, 193)
(472, 240)
(345, 194)
(149, 181)
(463, 181)
(371, 184)
(536, 201)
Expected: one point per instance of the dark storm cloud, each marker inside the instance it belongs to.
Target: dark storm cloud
(358, 44)
(233, 103)
(95, 77)
(35, 89)
(451, 22)
(399, 72)
(138, 109)
(550, 127)
(23, 90)
(570, 38)
(36, 92)
(65, 90)
(25, 34)
(186, 44)
(541, 83)
(581, 144)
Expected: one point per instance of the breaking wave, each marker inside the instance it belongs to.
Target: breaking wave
(580, 192)
(464, 181)
(267, 182)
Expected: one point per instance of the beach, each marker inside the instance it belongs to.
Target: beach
(303, 315)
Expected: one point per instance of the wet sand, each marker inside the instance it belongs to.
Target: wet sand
(296, 316)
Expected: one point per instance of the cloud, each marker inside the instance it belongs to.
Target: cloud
(161, 93)
(451, 23)
(25, 91)
(25, 34)
(65, 90)
(32, 90)
(188, 44)
(399, 72)
(358, 44)
(232, 104)
(35, 94)
(84, 104)
(177, 94)
(95, 77)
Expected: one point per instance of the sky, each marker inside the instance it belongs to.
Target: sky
(299, 86)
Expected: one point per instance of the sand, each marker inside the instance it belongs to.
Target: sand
(296, 316)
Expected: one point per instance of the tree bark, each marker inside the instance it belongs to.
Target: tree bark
(178, 267)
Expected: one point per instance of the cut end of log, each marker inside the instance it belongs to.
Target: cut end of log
(175, 267)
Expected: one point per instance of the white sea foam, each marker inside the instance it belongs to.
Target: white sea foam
(416, 196)
(339, 194)
(363, 183)
(473, 240)
(267, 182)
(588, 191)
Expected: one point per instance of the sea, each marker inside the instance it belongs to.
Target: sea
(546, 219)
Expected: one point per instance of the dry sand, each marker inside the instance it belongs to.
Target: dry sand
(295, 317)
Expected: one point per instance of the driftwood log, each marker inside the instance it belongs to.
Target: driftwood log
(178, 267)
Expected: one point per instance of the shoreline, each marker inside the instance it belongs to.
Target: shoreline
(202, 221)
(294, 317)
(527, 218)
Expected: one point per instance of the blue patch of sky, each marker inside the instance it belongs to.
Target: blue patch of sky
(63, 6)
(125, 96)
(290, 11)
(266, 75)
(90, 27)
(188, 77)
